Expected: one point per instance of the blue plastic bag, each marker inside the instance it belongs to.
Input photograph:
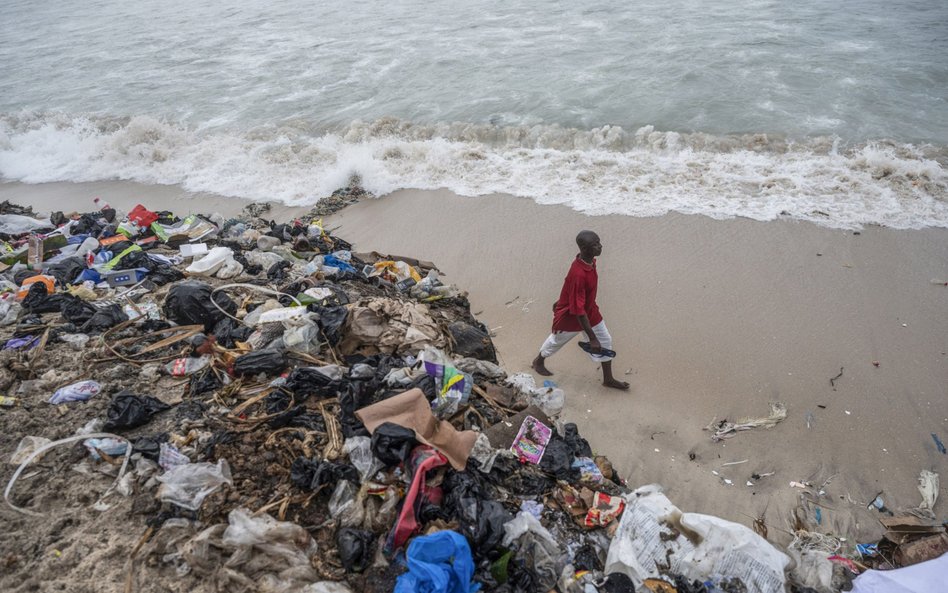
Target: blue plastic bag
(438, 563)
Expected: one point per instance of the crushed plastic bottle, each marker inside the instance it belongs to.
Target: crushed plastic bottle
(182, 367)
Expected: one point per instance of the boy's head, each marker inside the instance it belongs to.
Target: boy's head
(589, 244)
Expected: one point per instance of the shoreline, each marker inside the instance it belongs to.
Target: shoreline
(711, 318)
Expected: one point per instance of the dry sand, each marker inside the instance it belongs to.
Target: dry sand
(711, 319)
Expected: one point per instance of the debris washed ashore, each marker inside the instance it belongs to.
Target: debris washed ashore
(210, 404)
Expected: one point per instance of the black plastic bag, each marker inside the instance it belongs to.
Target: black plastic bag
(105, 318)
(308, 381)
(577, 444)
(558, 459)
(67, 270)
(158, 272)
(76, 310)
(127, 410)
(227, 332)
(355, 546)
(38, 300)
(20, 275)
(330, 321)
(296, 417)
(262, 361)
(618, 582)
(189, 303)
(470, 341)
(86, 225)
(481, 519)
(149, 445)
(586, 558)
(310, 474)
(277, 272)
(202, 382)
(392, 444)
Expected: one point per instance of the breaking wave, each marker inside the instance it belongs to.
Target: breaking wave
(607, 170)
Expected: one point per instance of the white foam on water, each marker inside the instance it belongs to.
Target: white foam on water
(602, 171)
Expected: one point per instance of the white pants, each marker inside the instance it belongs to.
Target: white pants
(559, 339)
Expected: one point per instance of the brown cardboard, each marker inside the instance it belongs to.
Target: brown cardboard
(902, 529)
(412, 410)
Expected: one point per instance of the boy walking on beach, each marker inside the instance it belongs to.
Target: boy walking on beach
(576, 311)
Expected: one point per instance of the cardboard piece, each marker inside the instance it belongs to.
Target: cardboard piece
(412, 410)
(502, 434)
(899, 530)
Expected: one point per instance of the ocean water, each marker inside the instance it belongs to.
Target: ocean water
(834, 112)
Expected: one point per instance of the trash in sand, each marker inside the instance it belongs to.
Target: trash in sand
(725, 430)
(305, 384)
(76, 392)
(928, 488)
(939, 445)
(188, 485)
(531, 440)
(438, 563)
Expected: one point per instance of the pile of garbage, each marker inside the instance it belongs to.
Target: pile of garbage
(275, 411)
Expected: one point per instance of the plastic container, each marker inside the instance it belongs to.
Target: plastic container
(210, 263)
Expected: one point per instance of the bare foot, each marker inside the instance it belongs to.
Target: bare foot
(616, 384)
(540, 367)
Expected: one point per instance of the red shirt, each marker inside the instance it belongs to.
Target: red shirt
(578, 297)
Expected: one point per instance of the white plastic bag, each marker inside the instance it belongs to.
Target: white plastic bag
(188, 485)
(537, 547)
(346, 505)
(549, 399)
(360, 454)
(646, 539)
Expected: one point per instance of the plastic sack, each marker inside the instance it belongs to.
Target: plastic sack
(76, 392)
(641, 547)
(536, 547)
(127, 410)
(26, 447)
(189, 303)
(549, 399)
(438, 563)
(309, 474)
(255, 553)
(188, 485)
(263, 361)
(392, 444)
(355, 547)
(359, 450)
(345, 504)
(104, 318)
(17, 224)
(111, 446)
(471, 341)
(924, 577)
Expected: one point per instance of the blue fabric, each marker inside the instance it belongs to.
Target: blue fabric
(438, 563)
(335, 262)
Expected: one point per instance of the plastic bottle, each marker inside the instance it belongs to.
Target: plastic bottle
(182, 367)
(267, 243)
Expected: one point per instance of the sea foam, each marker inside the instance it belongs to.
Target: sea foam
(603, 171)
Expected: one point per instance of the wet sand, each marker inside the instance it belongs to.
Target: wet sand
(711, 319)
